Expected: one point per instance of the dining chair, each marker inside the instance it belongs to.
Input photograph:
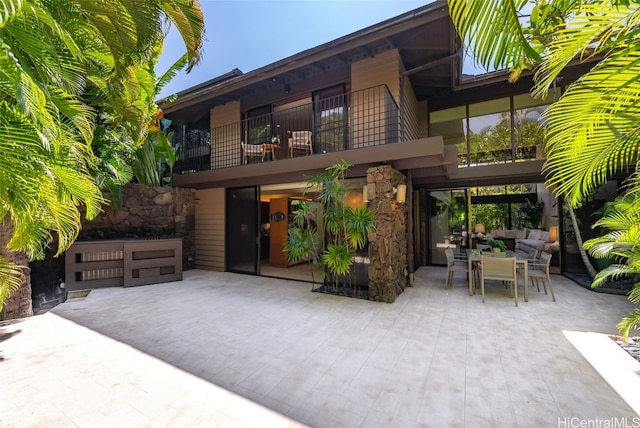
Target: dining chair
(453, 265)
(500, 269)
(539, 272)
(300, 141)
(251, 150)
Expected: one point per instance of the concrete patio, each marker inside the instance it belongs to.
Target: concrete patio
(221, 349)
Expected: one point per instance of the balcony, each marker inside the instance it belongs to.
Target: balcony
(354, 120)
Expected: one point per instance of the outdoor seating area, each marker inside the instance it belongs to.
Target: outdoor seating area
(243, 350)
(507, 267)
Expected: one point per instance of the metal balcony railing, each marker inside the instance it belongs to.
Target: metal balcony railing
(359, 119)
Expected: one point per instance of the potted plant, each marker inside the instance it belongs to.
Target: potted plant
(497, 245)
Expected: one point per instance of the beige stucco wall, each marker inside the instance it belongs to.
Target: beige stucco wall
(225, 135)
(210, 209)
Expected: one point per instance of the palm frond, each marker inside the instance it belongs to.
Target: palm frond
(189, 21)
(11, 276)
(494, 30)
(629, 322)
(594, 129)
(593, 29)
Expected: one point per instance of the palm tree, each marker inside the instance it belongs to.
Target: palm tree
(592, 130)
(621, 243)
(69, 68)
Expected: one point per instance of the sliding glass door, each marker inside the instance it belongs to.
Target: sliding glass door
(242, 236)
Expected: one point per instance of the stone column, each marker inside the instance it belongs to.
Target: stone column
(19, 303)
(388, 241)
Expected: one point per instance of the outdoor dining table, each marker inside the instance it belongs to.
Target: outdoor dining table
(475, 256)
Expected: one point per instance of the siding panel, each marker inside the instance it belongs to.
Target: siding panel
(225, 135)
(210, 206)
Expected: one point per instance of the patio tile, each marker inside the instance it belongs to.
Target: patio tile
(238, 349)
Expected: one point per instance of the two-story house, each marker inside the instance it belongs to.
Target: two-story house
(391, 94)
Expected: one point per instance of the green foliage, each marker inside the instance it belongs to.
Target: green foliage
(497, 243)
(593, 129)
(346, 229)
(621, 243)
(532, 213)
(76, 96)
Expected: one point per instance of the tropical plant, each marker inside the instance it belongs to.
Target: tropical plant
(69, 69)
(622, 244)
(532, 213)
(592, 130)
(497, 243)
(329, 243)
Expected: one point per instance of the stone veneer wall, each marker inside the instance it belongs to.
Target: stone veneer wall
(388, 242)
(18, 305)
(149, 212)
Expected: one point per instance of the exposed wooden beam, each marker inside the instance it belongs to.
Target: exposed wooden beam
(430, 64)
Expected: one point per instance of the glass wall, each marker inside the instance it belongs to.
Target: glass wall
(490, 132)
(497, 131)
(451, 124)
(447, 222)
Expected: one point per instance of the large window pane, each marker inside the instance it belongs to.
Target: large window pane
(451, 125)
(490, 132)
(528, 128)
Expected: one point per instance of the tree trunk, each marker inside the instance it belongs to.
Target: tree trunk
(585, 258)
(19, 304)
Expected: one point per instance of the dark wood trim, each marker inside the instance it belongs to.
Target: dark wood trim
(430, 150)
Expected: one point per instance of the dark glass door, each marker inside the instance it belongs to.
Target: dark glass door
(242, 234)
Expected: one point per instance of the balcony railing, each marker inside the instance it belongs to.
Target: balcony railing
(365, 118)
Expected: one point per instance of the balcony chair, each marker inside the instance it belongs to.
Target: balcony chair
(539, 271)
(501, 269)
(453, 265)
(300, 142)
(251, 150)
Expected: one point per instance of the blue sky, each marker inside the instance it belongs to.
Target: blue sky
(249, 34)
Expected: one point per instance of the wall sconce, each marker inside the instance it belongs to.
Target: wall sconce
(287, 88)
(365, 193)
(554, 233)
(479, 228)
(401, 194)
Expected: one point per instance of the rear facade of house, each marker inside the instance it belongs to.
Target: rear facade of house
(470, 148)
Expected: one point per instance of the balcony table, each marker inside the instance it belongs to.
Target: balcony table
(475, 255)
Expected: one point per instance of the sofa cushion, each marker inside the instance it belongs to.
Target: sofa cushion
(535, 234)
(520, 234)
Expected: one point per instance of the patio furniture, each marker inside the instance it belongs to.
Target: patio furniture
(453, 265)
(267, 149)
(501, 269)
(474, 256)
(539, 272)
(251, 150)
(300, 141)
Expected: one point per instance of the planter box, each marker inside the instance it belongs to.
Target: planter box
(99, 264)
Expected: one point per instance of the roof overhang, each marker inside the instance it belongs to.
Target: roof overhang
(425, 38)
